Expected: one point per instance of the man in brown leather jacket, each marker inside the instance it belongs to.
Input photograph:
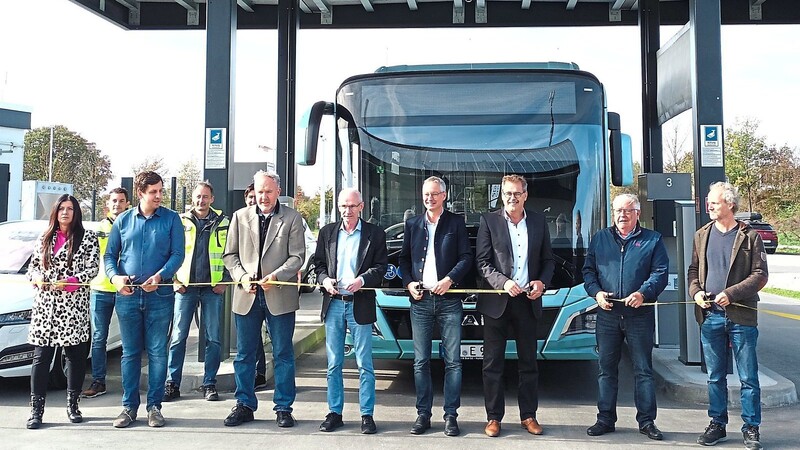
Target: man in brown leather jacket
(729, 267)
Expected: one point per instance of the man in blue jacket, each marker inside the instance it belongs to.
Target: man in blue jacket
(145, 249)
(435, 257)
(625, 267)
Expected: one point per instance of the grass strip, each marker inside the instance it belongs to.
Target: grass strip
(782, 292)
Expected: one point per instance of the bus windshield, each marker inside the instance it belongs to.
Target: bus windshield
(471, 129)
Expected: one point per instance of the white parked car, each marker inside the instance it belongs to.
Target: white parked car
(17, 240)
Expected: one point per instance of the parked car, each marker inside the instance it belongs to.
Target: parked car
(768, 234)
(307, 274)
(17, 240)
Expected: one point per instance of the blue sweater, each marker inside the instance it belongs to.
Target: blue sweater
(623, 267)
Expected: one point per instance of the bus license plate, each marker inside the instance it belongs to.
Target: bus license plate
(471, 351)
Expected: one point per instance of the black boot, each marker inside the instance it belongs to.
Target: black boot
(74, 414)
(37, 410)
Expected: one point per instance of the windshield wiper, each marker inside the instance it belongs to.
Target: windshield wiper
(552, 117)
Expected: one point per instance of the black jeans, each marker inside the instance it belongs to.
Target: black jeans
(76, 367)
(519, 316)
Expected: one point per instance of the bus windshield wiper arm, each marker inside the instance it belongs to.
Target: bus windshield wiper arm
(552, 117)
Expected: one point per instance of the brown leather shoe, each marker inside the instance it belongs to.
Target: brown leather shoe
(492, 428)
(532, 426)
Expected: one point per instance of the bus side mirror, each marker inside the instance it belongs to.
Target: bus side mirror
(627, 160)
(621, 153)
(312, 120)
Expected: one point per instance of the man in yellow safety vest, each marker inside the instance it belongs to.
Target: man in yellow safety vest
(103, 295)
(197, 282)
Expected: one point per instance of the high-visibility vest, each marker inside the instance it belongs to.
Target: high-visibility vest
(101, 281)
(216, 247)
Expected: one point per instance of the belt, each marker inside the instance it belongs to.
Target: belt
(344, 298)
(445, 296)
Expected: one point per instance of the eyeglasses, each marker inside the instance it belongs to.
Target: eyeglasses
(432, 194)
(512, 194)
(349, 206)
(625, 211)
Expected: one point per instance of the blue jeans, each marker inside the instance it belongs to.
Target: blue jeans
(102, 304)
(144, 319)
(261, 357)
(715, 333)
(638, 333)
(185, 306)
(448, 313)
(337, 320)
(281, 330)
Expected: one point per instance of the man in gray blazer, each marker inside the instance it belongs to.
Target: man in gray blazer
(265, 244)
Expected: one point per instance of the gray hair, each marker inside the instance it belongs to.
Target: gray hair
(348, 191)
(514, 178)
(438, 180)
(628, 198)
(205, 184)
(729, 193)
(267, 174)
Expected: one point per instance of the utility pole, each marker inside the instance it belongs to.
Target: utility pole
(50, 169)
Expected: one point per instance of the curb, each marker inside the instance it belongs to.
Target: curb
(688, 383)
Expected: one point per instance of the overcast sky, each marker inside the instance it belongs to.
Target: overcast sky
(141, 93)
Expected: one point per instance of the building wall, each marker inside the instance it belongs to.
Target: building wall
(15, 121)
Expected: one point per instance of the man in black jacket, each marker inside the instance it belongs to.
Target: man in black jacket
(435, 257)
(514, 255)
(351, 255)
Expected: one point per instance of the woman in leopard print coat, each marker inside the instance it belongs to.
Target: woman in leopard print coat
(66, 257)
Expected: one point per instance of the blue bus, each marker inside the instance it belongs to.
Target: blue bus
(471, 124)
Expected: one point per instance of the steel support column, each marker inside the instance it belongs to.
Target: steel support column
(705, 20)
(652, 148)
(288, 23)
(220, 80)
(649, 23)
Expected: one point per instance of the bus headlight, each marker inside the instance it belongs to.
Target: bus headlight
(583, 321)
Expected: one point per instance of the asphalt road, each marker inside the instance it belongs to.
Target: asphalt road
(784, 271)
(778, 336)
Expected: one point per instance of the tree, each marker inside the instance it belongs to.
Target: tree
(746, 159)
(100, 206)
(676, 156)
(780, 192)
(188, 176)
(633, 188)
(307, 207)
(75, 161)
(153, 164)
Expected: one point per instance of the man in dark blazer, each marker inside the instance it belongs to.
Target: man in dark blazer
(351, 255)
(513, 254)
(435, 257)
